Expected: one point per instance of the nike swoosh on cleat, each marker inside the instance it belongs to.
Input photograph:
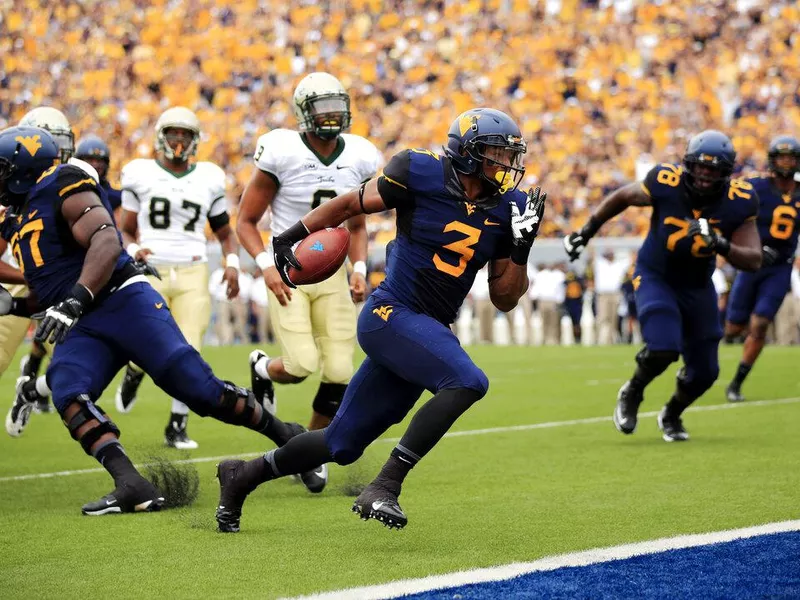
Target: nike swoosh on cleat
(110, 502)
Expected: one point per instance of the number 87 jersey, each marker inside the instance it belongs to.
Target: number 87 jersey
(304, 178)
(172, 209)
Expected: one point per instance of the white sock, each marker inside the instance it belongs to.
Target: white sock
(261, 367)
(41, 386)
(179, 408)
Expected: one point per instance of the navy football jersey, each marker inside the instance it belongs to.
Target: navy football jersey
(113, 193)
(442, 240)
(667, 249)
(778, 217)
(40, 238)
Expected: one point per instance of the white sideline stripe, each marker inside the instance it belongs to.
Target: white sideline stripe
(451, 434)
(574, 559)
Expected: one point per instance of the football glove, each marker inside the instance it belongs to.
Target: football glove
(525, 226)
(575, 243)
(769, 256)
(18, 307)
(284, 255)
(714, 241)
(58, 320)
(145, 268)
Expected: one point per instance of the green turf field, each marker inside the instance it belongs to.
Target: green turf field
(481, 499)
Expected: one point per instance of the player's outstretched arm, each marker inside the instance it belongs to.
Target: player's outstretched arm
(230, 250)
(358, 257)
(632, 194)
(92, 227)
(258, 194)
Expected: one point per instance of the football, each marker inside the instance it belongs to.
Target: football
(320, 254)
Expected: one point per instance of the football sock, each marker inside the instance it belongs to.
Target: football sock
(394, 472)
(34, 363)
(302, 453)
(113, 458)
(41, 386)
(679, 402)
(435, 417)
(179, 408)
(262, 369)
(741, 374)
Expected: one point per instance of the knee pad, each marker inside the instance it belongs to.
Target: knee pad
(226, 408)
(697, 385)
(337, 369)
(329, 398)
(656, 360)
(90, 411)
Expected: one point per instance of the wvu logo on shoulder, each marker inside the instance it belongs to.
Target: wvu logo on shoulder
(317, 247)
(383, 312)
(31, 143)
(469, 207)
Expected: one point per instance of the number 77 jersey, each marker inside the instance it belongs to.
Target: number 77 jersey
(668, 250)
(172, 209)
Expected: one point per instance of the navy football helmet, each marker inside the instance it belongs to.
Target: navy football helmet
(94, 151)
(484, 137)
(25, 153)
(784, 145)
(708, 163)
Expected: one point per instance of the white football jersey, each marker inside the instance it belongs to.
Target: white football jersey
(305, 180)
(172, 209)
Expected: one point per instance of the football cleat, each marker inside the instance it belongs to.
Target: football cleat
(234, 486)
(126, 392)
(175, 435)
(128, 497)
(734, 394)
(20, 411)
(627, 409)
(672, 427)
(379, 503)
(263, 389)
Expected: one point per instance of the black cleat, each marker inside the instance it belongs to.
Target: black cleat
(128, 497)
(627, 409)
(671, 427)
(734, 393)
(20, 411)
(175, 435)
(126, 392)
(234, 486)
(263, 389)
(380, 503)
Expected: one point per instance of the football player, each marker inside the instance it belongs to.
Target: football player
(94, 151)
(756, 297)
(295, 172)
(99, 309)
(455, 213)
(166, 202)
(31, 390)
(698, 212)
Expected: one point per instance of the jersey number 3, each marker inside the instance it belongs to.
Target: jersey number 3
(463, 247)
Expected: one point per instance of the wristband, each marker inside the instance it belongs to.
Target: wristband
(265, 260)
(81, 293)
(519, 254)
(360, 267)
(722, 246)
(132, 249)
(232, 261)
(294, 234)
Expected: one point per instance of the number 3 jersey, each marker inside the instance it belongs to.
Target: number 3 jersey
(442, 240)
(172, 209)
(304, 178)
(668, 250)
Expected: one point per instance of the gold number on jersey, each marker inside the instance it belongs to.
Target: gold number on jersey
(462, 247)
(35, 229)
(699, 247)
(783, 222)
(424, 151)
(669, 174)
(739, 188)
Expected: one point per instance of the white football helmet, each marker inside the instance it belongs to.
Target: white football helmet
(54, 121)
(177, 117)
(321, 95)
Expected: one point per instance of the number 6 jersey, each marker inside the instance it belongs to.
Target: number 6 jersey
(172, 209)
(304, 178)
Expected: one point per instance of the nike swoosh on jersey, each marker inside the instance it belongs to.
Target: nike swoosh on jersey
(488, 222)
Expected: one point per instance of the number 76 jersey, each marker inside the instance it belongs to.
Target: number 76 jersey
(304, 178)
(172, 210)
(668, 250)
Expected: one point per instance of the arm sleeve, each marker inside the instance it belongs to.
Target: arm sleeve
(130, 192)
(394, 185)
(72, 180)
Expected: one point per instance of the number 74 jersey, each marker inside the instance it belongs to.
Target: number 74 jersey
(668, 250)
(172, 210)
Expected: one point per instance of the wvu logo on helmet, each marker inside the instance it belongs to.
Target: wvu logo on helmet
(31, 143)
(467, 122)
(383, 312)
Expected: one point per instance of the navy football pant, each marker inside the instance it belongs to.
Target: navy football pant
(132, 325)
(684, 320)
(407, 353)
(760, 293)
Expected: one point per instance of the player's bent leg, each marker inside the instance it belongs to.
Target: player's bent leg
(753, 345)
(128, 389)
(30, 392)
(326, 402)
(29, 366)
(649, 365)
(292, 326)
